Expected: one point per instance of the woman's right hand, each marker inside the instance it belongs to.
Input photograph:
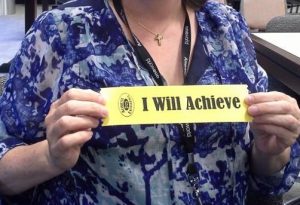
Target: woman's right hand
(69, 125)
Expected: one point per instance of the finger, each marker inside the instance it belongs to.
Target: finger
(75, 107)
(71, 124)
(74, 140)
(286, 121)
(261, 97)
(54, 105)
(50, 116)
(273, 107)
(285, 136)
(81, 95)
(283, 103)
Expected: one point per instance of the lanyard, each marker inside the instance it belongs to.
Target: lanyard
(185, 129)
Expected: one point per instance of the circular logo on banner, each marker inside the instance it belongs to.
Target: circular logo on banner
(126, 105)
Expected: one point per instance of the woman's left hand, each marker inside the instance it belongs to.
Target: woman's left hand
(276, 121)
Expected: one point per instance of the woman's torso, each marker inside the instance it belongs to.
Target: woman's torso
(142, 164)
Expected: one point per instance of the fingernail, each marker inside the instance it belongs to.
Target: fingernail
(105, 113)
(249, 98)
(253, 110)
(101, 98)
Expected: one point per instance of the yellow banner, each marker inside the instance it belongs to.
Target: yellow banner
(175, 104)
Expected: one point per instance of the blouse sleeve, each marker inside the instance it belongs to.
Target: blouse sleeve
(29, 89)
(259, 79)
(282, 181)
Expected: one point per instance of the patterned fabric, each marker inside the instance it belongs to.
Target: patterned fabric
(82, 45)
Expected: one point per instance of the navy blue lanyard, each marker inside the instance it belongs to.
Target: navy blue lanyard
(186, 130)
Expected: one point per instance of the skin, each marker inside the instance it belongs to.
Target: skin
(276, 126)
(71, 118)
(165, 17)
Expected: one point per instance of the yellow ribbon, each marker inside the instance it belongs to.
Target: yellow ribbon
(175, 104)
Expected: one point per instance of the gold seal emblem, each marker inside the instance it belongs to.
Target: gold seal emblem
(126, 105)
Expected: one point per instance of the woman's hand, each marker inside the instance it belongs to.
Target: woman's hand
(69, 125)
(276, 121)
(276, 126)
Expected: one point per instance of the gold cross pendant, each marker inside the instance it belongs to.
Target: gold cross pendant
(158, 38)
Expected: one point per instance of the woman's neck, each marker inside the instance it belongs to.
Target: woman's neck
(153, 10)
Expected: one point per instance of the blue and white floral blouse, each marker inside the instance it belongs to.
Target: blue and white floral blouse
(82, 45)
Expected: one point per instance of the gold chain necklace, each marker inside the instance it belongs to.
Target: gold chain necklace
(157, 36)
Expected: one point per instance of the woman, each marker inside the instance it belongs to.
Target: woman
(53, 146)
